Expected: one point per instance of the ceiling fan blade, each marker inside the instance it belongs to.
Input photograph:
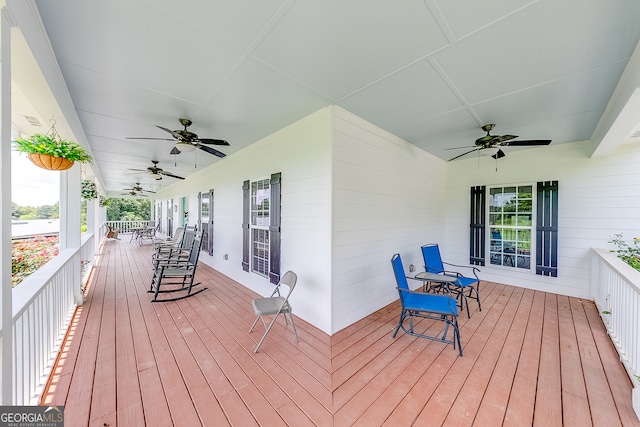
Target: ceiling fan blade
(173, 133)
(503, 138)
(211, 150)
(500, 154)
(169, 174)
(486, 139)
(464, 154)
(174, 150)
(156, 139)
(212, 141)
(459, 148)
(139, 170)
(528, 142)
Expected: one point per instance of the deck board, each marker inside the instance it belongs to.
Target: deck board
(530, 358)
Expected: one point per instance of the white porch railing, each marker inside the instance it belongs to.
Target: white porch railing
(43, 305)
(616, 291)
(126, 226)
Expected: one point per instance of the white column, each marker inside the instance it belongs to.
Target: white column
(6, 303)
(92, 216)
(70, 185)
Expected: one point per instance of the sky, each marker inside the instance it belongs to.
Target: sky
(31, 185)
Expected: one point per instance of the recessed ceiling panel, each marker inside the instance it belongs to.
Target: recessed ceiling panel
(413, 93)
(453, 129)
(466, 16)
(101, 95)
(532, 48)
(133, 43)
(267, 97)
(562, 98)
(339, 46)
(236, 22)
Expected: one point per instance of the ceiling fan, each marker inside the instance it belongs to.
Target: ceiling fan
(134, 193)
(155, 172)
(136, 188)
(491, 144)
(188, 141)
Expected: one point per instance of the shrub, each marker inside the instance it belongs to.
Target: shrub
(29, 255)
(627, 253)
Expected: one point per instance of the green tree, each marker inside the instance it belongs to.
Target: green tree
(24, 212)
(44, 212)
(128, 209)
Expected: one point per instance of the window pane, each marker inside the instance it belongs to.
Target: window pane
(260, 252)
(511, 210)
(524, 205)
(260, 193)
(525, 192)
(524, 220)
(509, 219)
(495, 219)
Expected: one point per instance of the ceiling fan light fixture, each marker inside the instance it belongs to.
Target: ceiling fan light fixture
(185, 147)
(489, 151)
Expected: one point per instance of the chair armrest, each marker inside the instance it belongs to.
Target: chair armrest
(473, 268)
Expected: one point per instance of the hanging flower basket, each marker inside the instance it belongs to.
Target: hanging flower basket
(46, 161)
(88, 190)
(52, 152)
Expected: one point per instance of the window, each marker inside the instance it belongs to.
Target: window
(205, 220)
(511, 230)
(260, 196)
(510, 225)
(261, 227)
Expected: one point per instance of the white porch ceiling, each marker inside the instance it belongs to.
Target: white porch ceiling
(429, 71)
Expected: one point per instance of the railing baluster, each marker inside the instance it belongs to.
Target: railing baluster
(43, 304)
(616, 292)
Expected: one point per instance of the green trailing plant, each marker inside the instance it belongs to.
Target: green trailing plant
(104, 202)
(626, 252)
(53, 146)
(89, 190)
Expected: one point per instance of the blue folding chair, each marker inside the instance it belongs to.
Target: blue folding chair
(464, 287)
(422, 305)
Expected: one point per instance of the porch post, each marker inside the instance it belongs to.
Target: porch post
(70, 183)
(6, 303)
(91, 216)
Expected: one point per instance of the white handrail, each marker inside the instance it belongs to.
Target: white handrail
(126, 226)
(43, 305)
(615, 288)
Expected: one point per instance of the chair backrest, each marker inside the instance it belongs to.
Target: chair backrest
(289, 279)
(195, 250)
(187, 239)
(177, 237)
(401, 278)
(432, 258)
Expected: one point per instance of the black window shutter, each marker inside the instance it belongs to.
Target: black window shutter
(547, 229)
(246, 242)
(274, 228)
(477, 225)
(210, 224)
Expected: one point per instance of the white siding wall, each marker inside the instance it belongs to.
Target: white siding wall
(353, 195)
(192, 204)
(598, 197)
(301, 152)
(388, 198)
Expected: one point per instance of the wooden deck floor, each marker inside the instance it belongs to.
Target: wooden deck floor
(530, 358)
